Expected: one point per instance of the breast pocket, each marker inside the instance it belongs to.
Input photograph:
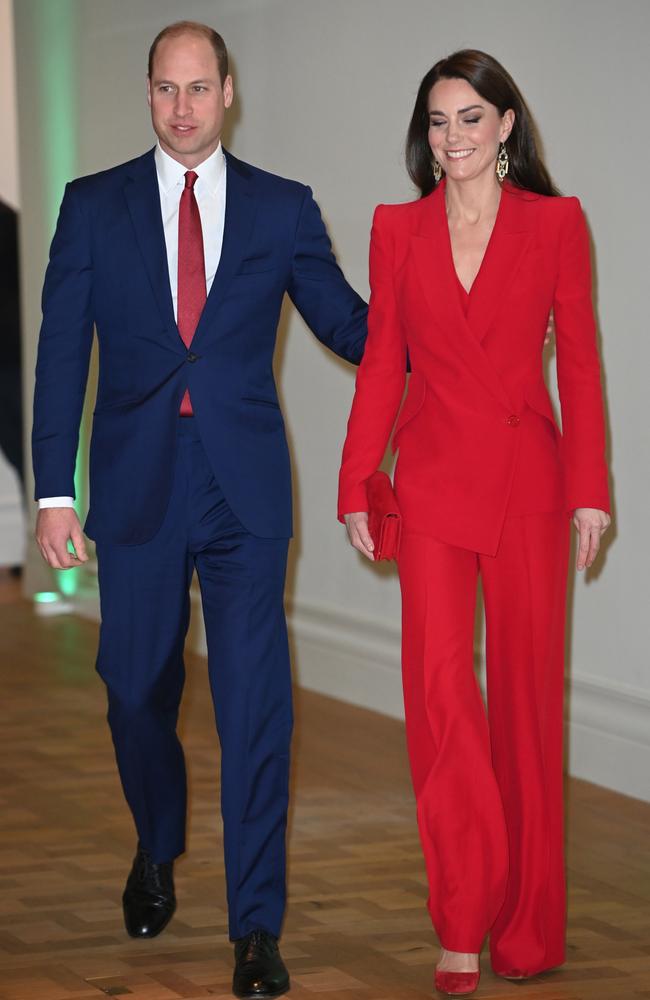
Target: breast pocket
(257, 265)
(261, 401)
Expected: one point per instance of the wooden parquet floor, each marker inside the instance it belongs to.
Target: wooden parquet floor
(357, 928)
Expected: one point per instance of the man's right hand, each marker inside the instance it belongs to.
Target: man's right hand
(55, 527)
(357, 525)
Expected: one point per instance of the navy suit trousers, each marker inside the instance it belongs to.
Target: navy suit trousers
(145, 607)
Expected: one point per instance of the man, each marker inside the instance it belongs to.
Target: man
(181, 259)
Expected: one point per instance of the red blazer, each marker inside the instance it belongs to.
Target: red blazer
(476, 435)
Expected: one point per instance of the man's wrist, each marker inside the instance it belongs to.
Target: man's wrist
(45, 502)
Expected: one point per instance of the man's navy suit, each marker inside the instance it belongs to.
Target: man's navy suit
(171, 494)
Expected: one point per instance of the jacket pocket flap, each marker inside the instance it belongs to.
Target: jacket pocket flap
(411, 406)
(257, 265)
(537, 397)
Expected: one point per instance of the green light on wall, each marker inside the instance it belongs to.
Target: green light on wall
(57, 61)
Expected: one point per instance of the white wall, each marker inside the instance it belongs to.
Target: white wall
(12, 526)
(9, 185)
(325, 92)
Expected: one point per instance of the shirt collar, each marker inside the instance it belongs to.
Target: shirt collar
(172, 173)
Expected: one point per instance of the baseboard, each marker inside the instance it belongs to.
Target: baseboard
(356, 660)
(609, 735)
(12, 529)
(347, 657)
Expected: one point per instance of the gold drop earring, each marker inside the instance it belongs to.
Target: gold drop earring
(503, 162)
(437, 171)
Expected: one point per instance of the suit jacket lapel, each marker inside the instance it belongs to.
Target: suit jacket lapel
(435, 266)
(508, 244)
(431, 247)
(143, 200)
(240, 215)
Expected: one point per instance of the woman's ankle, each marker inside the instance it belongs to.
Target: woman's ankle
(458, 961)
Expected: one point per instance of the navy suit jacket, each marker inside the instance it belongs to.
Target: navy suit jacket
(108, 269)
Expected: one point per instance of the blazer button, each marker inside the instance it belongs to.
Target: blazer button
(513, 420)
(192, 357)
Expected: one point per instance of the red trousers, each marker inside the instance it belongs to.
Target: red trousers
(489, 786)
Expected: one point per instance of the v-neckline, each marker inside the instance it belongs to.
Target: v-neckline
(463, 294)
(431, 247)
(485, 252)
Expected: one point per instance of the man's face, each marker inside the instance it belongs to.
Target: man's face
(187, 99)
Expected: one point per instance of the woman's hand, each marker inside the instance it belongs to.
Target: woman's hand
(590, 525)
(357, 525)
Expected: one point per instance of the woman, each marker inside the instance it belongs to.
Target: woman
(463, 280)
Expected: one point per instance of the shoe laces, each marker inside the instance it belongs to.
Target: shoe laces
(257, 943)
(157, 878)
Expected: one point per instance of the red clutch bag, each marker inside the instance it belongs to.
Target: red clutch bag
(384, 518)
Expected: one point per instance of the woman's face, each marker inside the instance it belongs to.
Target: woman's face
(465, 130)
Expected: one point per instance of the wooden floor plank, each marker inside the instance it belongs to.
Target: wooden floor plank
(357, 927)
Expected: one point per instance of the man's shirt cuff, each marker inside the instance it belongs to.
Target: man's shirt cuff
(55, 502)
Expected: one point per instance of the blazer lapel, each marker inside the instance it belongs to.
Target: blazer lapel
(508, 244)
(435, 266)
(143, 200)
(238, 225)
(431, 247)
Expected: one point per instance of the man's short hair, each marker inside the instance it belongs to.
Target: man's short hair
(193, 28)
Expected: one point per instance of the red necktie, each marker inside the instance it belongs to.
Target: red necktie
(191, 271)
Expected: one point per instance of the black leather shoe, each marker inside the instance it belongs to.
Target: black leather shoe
(149, 900)
(259, 969)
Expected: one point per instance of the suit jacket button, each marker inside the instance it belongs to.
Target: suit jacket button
(192, 357)
(513, 420)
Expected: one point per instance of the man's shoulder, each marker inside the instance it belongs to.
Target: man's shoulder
(112, 177)
(264, 180)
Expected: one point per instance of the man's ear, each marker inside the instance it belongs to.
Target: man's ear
(228, 91)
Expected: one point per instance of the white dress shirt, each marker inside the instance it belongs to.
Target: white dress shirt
(210, 194)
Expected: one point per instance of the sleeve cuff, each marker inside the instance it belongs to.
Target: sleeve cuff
(352, 502)
(44, 502)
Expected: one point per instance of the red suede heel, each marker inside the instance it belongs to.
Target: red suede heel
(457, 984)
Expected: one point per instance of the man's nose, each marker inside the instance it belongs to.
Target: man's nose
(183, 105)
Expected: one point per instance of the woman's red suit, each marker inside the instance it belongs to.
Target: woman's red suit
(485, 483)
